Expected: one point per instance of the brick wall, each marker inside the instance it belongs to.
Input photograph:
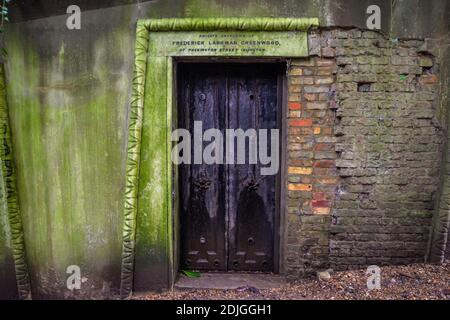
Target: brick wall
(312, 178)
(364, 152)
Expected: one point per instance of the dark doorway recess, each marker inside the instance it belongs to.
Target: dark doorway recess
(229, 212)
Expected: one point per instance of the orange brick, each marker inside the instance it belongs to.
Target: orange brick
(320, 204)
(300, 187)
(429, 79)
(295, 105)
(317, 130)
(324, 164)
(321, 211)
(323, 172)
(300, 170)
(327, 180)
(300, 162)
(324, 147)
(301, 123)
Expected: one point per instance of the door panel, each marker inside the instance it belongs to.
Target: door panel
(251, 197)
(202, 208)
(227, 211)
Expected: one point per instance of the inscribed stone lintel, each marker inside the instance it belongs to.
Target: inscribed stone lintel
(229, 44)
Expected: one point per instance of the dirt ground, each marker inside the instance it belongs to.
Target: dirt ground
(414, 282)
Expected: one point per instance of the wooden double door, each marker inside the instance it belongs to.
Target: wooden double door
(228, 212)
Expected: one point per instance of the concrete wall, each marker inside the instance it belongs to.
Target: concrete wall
(401, 18)
(68, 94)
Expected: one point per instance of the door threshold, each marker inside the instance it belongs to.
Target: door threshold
(231, 281)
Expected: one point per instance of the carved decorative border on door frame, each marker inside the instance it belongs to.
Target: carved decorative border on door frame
(148, 168)
(10, 199)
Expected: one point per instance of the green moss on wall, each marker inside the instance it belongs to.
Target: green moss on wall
(68, 120)
(8, 285)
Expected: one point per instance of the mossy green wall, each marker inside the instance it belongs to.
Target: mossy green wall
(69, 93)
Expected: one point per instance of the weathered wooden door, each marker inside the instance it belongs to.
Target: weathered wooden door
(227, 211)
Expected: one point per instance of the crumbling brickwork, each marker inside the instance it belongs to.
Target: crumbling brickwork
(389, 149)
(361, 189)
